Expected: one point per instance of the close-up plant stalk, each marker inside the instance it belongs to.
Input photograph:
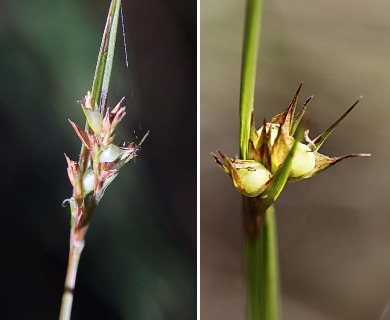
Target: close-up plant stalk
(100, 159)
(269, 158)
(259, 239)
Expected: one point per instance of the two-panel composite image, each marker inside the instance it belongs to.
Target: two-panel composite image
(182, 160)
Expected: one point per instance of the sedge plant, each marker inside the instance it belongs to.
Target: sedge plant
(270, 157)
(100, 159)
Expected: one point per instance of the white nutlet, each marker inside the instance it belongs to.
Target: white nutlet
(110, 153)
(88, 181)
(95, 120)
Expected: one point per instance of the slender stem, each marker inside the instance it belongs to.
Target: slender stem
(260, 243)
(261, 255)
(248, 70)
(270, 265)
(82, 210)
(252, 255)
(76, 247)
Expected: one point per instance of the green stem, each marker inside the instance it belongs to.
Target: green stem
(248, 70)
(261, 255)
(270, 265)
(260, 242)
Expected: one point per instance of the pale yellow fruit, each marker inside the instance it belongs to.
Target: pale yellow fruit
(303, 161)
(250, 178)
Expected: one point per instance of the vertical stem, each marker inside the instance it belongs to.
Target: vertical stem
(260, 242)
(261, 257)
(80, 217)
(248, 70)
(270, 265)
(252, 256)
(75, 249)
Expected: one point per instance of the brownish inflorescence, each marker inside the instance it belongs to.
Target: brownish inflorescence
(101, 159)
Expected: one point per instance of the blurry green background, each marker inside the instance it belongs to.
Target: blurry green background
(334, 229)
(140, 256)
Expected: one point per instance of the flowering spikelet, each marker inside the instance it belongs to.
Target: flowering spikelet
(104, 158)
(274, 152)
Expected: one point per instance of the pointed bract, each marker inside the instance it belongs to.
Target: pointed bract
(84, 137)
(319, 140)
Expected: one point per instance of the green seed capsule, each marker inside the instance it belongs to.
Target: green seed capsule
(303, 161)
(88, 181)
(110, 154)
(95, 120)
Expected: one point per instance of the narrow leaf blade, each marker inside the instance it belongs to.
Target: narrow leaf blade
(106, 56)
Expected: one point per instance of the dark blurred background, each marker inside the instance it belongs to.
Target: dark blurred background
(140, 256)
(334, 229)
